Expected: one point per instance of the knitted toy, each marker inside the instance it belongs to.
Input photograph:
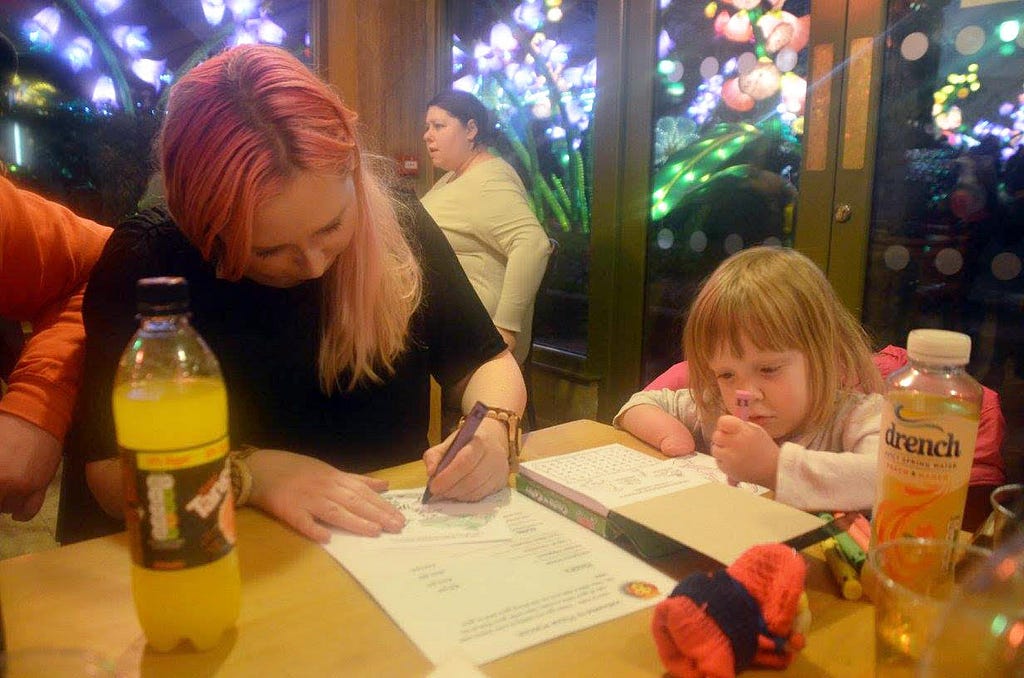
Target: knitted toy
(752, 613)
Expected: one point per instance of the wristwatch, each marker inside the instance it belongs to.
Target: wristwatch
(513, 425)
(241, 474)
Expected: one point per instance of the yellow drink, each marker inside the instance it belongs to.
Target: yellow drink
(926, 447)
(173, 437)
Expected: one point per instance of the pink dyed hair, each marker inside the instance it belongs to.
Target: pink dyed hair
(239, 127)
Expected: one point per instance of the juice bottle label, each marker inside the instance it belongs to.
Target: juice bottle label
(180, 511)
(924, 463)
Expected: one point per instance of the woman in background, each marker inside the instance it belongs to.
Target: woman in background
(480, 204)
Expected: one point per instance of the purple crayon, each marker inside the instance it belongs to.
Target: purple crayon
(743, 399)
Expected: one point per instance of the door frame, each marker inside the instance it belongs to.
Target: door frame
(837, 169)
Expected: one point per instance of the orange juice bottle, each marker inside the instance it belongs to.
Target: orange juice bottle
(170, 414)
(926, 442)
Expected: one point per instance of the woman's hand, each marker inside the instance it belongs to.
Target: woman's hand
(478, 469)
(745, 451)
(308, 494)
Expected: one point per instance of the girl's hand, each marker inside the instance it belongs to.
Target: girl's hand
(745, 451)
(308, 494)
(678, 443)
(478, 469)
(659, 429)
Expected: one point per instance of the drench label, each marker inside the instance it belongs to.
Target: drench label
(936, 451)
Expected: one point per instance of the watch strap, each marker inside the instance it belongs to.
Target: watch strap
(241, 474)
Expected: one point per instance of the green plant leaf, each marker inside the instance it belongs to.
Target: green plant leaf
(694, 165)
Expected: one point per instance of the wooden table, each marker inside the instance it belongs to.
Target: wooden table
(303, 615)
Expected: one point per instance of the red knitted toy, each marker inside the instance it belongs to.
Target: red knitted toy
(716, 624)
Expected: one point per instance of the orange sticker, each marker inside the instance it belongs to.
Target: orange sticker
(640, 589)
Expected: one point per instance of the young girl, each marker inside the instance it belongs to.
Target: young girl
(768, 322)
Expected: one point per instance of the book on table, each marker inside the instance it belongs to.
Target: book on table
(660, 505)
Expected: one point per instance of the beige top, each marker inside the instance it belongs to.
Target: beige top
(487, 219)
(833, 468)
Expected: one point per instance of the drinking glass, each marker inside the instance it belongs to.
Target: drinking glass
(910, 581)
(981, 630)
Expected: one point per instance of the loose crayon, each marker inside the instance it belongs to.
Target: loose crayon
(860, 530)
(844, 574)
(861, 524)
(853, 553)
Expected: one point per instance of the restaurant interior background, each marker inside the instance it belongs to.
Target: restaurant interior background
(655, 137)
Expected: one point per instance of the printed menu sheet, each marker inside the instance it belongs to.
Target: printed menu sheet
(488, 599)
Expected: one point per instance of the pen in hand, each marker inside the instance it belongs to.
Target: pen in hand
(465, 434)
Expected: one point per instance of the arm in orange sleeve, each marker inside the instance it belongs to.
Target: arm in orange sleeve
(46, 255)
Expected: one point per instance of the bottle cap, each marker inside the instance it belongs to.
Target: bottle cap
(161, 296)
(939, 346)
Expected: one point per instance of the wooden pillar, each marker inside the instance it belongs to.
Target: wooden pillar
(382, 57)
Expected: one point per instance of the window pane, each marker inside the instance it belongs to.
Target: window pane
(78, 123)
(728, 128)
(533, 64)
(948, 215)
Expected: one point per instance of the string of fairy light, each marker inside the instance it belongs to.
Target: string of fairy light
(95, 40)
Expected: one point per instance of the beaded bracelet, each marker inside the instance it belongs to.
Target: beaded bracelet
(514, 428)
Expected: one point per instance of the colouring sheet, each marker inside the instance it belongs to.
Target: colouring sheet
(445, 522)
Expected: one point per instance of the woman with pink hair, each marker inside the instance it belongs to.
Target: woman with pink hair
(328, 304)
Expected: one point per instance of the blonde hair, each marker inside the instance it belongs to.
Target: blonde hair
(779, 300)
(239, 127)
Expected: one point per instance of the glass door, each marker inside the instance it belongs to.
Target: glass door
(885, 144)
(947, 212)
(534, 64)
(729, 120)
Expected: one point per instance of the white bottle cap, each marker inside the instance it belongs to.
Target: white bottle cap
(939, 346)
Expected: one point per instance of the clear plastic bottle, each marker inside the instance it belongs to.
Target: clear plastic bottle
(926, 443)
(170, 413)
